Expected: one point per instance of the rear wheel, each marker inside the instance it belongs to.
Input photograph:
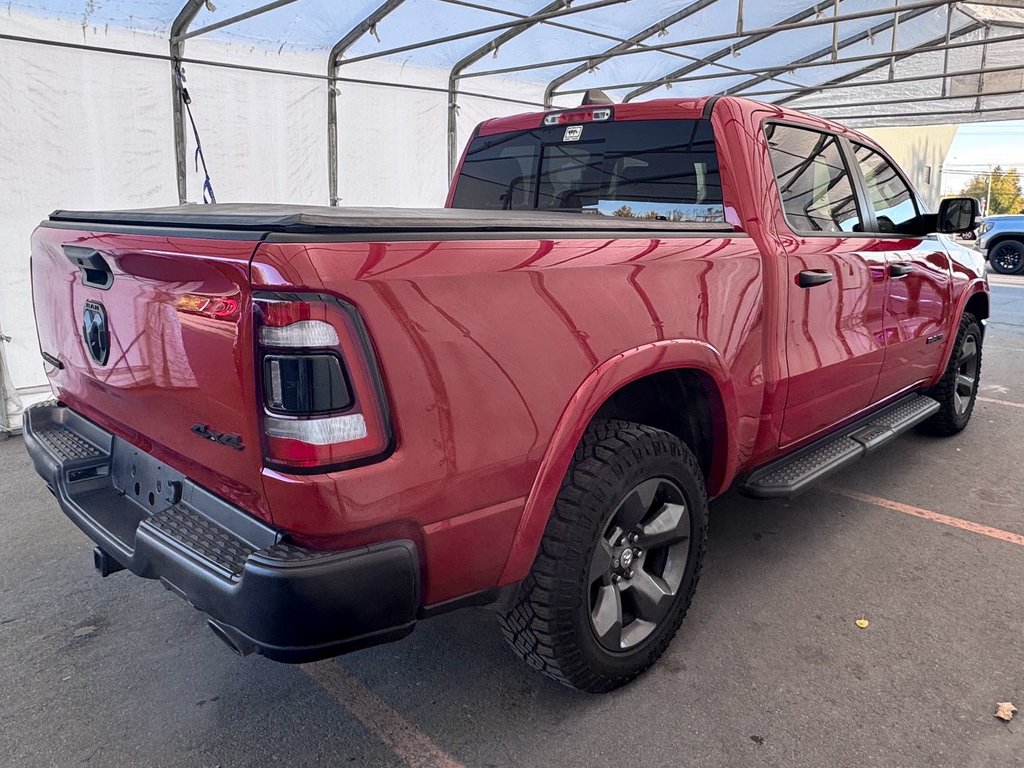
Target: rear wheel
(1007, 257)
(958, 388)
(619, 560)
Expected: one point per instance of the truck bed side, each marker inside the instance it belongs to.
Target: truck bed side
(485, 345)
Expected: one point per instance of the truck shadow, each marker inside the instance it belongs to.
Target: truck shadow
(454, 679)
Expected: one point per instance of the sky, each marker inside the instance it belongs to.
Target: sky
(978, 146)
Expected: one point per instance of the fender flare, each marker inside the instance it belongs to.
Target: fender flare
(1001, 237)
(606, 379)
(973, 288)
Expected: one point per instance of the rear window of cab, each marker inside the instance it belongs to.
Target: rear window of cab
(652, 169)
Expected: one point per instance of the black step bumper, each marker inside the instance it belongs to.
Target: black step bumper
(261, 592)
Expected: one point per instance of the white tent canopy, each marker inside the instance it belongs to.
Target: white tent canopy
(368, 101)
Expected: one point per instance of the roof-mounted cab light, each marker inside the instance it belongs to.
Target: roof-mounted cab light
(588, 115)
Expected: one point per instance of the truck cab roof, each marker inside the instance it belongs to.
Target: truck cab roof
(667, 109)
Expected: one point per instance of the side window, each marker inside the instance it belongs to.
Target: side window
(813, 181)
(891, 198)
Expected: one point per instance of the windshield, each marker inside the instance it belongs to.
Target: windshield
(650, 169)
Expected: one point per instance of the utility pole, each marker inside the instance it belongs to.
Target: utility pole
(988, 196)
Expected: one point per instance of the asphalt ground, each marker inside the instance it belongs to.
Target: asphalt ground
(768, 669)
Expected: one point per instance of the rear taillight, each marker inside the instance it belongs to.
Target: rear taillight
(323, 403)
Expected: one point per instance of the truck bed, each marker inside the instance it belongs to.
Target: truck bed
(297, 219)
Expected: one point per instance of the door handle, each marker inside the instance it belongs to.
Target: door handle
(812, 277)
(900, 270)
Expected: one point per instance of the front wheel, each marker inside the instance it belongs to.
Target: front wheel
(619, 561)
(958, 388)
(1007, 258)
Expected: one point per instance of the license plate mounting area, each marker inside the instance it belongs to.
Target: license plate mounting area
(149, 483)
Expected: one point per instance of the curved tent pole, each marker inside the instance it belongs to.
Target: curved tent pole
(333, 60)
(235, 19)
(512, 28)
(981, 77)
(728, 50)
(792, 67)
(177, 44)
(902, 102)
(805, 24)
(1016, 110)
(842, 83)
(632, 42)
(544, 15)
(813, 60)
(490, 46)
(771, 72)
(846, 42)
(907, 52)
(563, 11)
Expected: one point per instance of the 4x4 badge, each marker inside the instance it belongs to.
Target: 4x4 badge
(230, 439)
(95, 332)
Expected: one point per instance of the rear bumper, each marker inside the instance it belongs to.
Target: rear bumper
(261, 592)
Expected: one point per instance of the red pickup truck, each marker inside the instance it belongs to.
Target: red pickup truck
(319, 425)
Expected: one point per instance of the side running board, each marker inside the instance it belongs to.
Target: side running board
(795, 472)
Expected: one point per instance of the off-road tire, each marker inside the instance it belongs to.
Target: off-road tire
(949, 420)
(547, 622)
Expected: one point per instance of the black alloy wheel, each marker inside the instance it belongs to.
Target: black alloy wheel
(1007, 258)
(957, 390)
(638, 564)
(619, 561)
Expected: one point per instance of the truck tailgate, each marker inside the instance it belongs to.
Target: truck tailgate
(151, 337)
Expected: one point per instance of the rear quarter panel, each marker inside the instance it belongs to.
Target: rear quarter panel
(485, 346)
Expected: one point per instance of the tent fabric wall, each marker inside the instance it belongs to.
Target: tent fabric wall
(88, 130)
(91, 129)
(80, 130)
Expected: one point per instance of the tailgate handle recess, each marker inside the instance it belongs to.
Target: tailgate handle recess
(92, 265)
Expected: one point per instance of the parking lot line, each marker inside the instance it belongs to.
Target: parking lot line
(413, 747)
(927, 514)
(1000, 402)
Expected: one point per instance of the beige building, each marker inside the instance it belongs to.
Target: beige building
(920, 150)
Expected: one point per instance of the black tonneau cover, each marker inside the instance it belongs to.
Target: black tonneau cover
(271, 217)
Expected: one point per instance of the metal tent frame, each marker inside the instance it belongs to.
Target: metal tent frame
(709, 67)
(925, 65)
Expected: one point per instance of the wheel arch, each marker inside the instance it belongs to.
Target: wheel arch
(683, 364)
(978, 304)
(684, 402)
(974, 299)
(1001, 238)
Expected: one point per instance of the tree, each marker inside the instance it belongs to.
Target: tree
(623, 211)
(1006, 195)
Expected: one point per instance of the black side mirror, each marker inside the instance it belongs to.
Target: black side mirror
(958, 214)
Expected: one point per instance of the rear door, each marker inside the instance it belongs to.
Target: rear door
(151, 336)
(836, 287)
(918, 307)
